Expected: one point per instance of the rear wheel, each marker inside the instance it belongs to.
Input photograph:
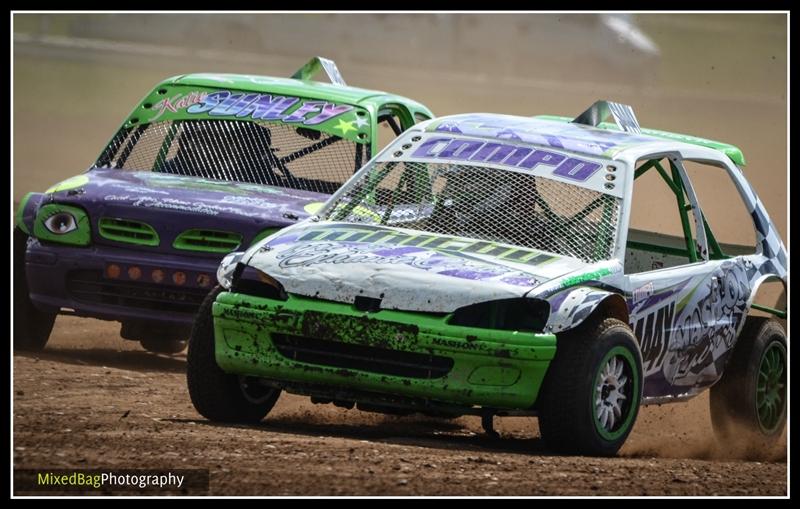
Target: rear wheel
(32, 326)
(749, 403)
(590, 396)
(217, 395)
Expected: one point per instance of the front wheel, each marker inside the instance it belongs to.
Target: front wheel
(749, 402)
(217, 395)
(32, 326)
(591, 393)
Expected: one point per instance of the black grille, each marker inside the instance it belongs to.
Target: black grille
(363, 358)
(90, 286)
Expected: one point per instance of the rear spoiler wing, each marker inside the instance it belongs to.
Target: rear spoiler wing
(316, 64)
(600, 110)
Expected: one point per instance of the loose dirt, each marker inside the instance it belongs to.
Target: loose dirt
(93, 400)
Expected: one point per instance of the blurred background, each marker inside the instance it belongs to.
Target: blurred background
(719, 76)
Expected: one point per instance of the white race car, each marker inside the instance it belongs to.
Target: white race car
(484, 264)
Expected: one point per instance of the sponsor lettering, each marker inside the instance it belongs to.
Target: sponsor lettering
(446, 244)
(653, 331)
(458, 149)
(709, 327)
(267, 107)
(178, 102)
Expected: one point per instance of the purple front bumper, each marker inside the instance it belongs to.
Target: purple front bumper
(118, 284)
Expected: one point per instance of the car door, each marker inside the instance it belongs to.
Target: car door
(686, 305)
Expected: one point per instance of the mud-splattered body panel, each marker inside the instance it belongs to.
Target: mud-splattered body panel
(400, 235)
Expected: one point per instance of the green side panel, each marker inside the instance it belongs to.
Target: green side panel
(80, 235)
(128, 231)
(492, 368)
(494, 375)
(209, 241)
(729, 150)
(18, 221)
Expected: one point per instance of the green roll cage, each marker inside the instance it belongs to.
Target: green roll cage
(675, 184)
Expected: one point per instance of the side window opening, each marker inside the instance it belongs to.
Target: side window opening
(393, 119)
(729, 225)
(662, 232)
(389, 127)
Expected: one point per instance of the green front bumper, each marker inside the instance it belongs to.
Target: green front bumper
(490, 368)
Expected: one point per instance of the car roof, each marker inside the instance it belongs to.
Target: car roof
(562, 132)
(290, 86)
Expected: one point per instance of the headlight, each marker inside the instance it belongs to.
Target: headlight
(61, 223)
(252, 281)
(266, 278)
(517, 314)
(226, 268)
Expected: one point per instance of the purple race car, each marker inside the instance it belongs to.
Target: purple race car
(206, 164)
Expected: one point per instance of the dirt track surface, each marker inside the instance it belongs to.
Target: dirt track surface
(93, 400)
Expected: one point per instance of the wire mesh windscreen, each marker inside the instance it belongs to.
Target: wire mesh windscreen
(484, 203)
(242, 151)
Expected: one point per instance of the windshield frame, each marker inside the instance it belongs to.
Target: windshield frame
(406, 148)
(124, 143)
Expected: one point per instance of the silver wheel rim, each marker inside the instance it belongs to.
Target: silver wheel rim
(610, 394)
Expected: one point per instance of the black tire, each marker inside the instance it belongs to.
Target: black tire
(735, 400)
(217, 395)
(32, 326)
(165, 346)
(570, 420)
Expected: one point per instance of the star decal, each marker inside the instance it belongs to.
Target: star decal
(345, 126)
(361, 121)
(449, 126)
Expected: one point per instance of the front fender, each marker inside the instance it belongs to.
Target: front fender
(227, 267)
(570, 307)
(26, 212)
